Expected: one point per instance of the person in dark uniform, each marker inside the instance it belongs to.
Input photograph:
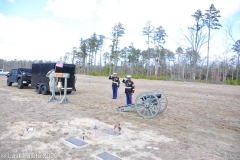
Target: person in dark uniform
(129, 89)
(115, 84)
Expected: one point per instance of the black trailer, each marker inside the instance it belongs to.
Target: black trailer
(41, 83)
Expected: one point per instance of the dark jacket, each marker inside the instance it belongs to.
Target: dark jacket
(129, 86)
(115, 81)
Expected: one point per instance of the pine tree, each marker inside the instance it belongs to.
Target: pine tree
(212, 22)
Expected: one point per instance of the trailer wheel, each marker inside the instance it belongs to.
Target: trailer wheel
(44, 90)
(38, 89)
(8, 82)
(20, 84)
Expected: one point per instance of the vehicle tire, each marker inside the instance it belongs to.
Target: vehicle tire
(38, 89)
(69, 92)
(44, 90)
(9, 83)
(20, 84)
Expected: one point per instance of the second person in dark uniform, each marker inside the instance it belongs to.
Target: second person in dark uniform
(129, 89)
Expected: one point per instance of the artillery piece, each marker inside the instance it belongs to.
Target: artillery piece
(147, 104)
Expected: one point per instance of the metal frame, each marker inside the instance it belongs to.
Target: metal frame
(53, 97)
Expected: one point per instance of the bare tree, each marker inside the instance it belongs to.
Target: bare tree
(194, 46)
(181, 62)
(232, 64)
(235, 44)
(236, 48)
(74, 53)
(66, 57)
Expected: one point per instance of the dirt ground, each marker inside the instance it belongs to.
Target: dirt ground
(202, 121)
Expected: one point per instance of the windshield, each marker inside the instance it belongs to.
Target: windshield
(25, 70)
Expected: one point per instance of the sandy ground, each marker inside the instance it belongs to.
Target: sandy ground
(202, 121)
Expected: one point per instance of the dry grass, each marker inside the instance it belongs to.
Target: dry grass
(194, 126)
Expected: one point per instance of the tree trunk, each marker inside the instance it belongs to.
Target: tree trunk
(237, 68)
(208, 52)
(156, 70)
(183, 68)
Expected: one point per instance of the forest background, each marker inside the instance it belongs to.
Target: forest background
(186, 63)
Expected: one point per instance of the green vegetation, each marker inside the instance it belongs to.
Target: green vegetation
(233, 82)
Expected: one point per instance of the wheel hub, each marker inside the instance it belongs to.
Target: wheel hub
(146, 105)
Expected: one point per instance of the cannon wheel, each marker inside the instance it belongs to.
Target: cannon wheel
(162, 101)
(147, 105)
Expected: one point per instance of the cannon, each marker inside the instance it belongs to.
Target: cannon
(147, 104)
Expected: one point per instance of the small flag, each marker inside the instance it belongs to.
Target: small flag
(96, 133)
(59, 64)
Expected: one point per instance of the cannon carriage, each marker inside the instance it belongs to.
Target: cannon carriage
(147, 104)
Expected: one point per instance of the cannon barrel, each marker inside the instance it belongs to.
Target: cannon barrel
(151, 96)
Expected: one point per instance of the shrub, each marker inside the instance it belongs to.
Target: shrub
(232, 82)
(95, 74)
(163, 77)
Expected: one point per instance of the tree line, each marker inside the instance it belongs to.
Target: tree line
(156, 61)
